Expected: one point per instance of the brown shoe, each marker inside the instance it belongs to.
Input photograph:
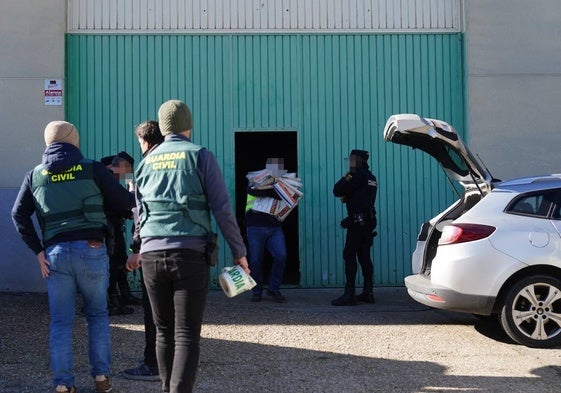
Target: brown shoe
(103, 386)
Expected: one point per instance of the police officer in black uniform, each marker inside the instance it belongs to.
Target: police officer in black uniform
(357, 189)
(116, 246)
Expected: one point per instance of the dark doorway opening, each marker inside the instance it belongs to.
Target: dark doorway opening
(251, 152)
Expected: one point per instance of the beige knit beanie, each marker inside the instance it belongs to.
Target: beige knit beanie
(61, 131)
(174, 117)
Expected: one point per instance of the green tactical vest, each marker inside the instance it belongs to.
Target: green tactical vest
(173, 201)
(67, 201)
(250, 202)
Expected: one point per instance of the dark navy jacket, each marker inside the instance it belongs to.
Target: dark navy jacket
(57, 158)
(358, 192)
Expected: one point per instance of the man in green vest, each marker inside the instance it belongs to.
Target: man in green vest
(178, 185)
(68, 193)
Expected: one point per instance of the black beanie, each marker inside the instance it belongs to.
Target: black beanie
(360, 153)
(125, 156)
(107, 160)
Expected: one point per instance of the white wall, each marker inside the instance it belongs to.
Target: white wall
(32, 50)
(514, 85)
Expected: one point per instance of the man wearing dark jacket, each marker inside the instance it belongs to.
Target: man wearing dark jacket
(120, 296)
(149, 137)
(357, 189)
(178, 185)
(67, 193)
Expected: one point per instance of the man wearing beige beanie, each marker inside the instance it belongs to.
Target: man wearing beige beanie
(178, 185)
(68, 193)
(61, 131)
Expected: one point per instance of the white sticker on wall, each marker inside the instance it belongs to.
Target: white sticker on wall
(53, 91)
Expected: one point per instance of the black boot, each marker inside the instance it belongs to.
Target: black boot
(366, 297)
(127, 298)
(346, 300)
(115, 306)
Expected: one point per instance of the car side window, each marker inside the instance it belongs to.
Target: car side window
(556, 212)
(526, 205)
(557, 206)
(538, 204)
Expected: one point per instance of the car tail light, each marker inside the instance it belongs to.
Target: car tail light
(461, 233)
(436, 298)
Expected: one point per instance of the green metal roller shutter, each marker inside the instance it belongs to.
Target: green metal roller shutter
(335, 90)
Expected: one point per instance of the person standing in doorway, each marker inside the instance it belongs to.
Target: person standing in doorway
(149, 137)
(178, 185)
(357, 190)
(67, 193)
(264, 232)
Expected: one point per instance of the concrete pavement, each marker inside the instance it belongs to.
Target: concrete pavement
(303, 345)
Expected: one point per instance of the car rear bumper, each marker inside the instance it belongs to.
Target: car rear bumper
(423, 291)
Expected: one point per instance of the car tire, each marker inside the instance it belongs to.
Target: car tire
(531, 312)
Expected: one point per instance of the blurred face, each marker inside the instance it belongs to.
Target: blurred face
(275, 164)
(122, 168)
(354, 162)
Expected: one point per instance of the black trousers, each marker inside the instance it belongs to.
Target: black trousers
(177, 286)
(357, 246)
(117, 260)
(149, 328)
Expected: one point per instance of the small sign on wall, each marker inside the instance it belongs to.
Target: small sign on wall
(53, 91)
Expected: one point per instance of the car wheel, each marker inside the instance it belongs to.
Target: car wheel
(531, 313)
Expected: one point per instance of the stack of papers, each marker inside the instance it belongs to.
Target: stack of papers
(287, 186)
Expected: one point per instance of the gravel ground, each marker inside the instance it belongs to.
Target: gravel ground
(304, 345)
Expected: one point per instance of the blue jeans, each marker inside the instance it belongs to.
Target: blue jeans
(78, 266)
(272, 239)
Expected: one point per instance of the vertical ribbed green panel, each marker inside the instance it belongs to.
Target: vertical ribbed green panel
(336, 91)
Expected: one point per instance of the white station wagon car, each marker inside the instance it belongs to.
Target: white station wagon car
(496, 250)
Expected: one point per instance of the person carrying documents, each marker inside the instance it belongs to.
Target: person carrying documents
(271, 194)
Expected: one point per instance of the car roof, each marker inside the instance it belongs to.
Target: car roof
(531, 183)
